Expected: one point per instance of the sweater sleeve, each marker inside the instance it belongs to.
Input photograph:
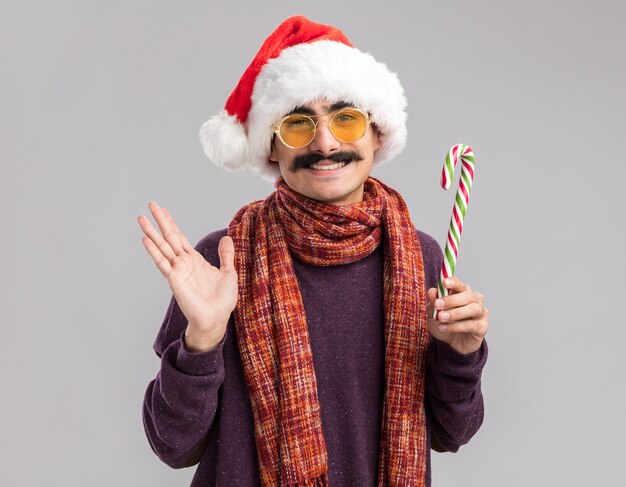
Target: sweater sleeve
(453, 397)
(454, 400)
(181, 402)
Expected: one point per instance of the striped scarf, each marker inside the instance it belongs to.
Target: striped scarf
(274, 342)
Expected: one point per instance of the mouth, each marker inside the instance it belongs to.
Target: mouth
(326, 165)
(318, 164)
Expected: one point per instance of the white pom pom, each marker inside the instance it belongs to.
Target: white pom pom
(224, 141)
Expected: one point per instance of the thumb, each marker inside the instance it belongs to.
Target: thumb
(431, 294)
(226, 250)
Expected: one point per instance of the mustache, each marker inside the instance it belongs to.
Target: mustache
(307, 160)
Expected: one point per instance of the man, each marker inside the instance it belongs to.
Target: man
(297, 349)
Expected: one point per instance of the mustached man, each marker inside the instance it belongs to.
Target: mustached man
(298, 348)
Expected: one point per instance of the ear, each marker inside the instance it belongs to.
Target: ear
(273, 157)
(376, 134)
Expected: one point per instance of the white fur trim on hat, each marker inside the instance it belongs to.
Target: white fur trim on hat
(224, 141)
(304, 73)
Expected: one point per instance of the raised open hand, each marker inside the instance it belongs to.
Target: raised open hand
(206, 295)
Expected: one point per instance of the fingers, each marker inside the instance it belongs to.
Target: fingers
(163, 250)
(169, 231)
(161, 262)
(457, 300)
(155, 237)
(463, 305)
(186, 244)
(462, 318)
(226, 250)
(467, 312)
(454, 284)
(477, 327)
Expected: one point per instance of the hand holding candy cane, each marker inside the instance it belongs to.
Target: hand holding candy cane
(460, 317)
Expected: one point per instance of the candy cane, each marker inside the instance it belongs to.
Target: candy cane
(458, 211)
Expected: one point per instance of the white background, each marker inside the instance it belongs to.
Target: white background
(100, 106)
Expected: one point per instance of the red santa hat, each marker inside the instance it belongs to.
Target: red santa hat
(301, 62)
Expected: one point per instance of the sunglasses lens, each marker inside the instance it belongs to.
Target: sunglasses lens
(297, 130)
(348, 125)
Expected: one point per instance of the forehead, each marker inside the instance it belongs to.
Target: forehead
(320, 107)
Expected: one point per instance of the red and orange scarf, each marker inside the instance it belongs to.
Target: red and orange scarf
(274, 342)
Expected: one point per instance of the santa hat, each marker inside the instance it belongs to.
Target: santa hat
(301, 62)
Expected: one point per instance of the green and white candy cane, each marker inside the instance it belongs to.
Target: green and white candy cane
(463, 152)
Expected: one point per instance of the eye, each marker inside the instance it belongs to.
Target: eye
(345, 117)
(297, 123)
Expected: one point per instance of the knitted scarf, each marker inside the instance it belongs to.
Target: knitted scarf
(274, 342)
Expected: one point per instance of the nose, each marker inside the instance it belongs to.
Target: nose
(324, 141)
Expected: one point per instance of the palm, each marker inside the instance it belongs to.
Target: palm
(205, 294)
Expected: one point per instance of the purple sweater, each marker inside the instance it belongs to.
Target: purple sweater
(197, 409)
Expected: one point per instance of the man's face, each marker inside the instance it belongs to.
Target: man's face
(342, 186)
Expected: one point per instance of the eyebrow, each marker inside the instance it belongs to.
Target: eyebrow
(308, 111)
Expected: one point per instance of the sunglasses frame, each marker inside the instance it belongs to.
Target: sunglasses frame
(368, 121)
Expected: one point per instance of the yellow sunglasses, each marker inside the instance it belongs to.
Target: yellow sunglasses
(298, 130)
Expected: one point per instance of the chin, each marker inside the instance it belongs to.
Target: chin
(337, 198)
